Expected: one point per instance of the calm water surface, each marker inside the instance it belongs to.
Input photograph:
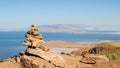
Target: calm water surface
(11, 42)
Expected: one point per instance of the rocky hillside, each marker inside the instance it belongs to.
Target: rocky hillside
(104, 48)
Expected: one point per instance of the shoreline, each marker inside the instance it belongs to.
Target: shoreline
(65, 44)
(58, 46)
(64, 50)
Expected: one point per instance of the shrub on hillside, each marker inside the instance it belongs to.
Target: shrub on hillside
(113, 56)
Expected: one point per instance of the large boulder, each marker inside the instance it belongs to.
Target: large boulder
(94, 58)
(34, 62)
(53, 58)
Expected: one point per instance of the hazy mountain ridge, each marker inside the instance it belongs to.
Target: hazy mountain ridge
(67, 28)
(77, 28)
(63, 28)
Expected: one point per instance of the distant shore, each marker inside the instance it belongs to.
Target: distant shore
(65, 44)
(59, 46)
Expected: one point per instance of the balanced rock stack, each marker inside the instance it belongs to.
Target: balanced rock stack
(37, 55)
(34, 39)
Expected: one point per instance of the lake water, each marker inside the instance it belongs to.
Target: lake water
(11, 42)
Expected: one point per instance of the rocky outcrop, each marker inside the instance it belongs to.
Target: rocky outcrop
(93, 59)
(108, 49)
(34, 62)
(53, 58)
(104, 48)
(13, 62)
(95, 54)
(37, 48)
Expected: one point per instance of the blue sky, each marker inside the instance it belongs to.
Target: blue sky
(22, 13)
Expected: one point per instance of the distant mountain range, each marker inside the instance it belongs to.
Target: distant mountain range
(64, 28)
(68, 28)
(77, 28)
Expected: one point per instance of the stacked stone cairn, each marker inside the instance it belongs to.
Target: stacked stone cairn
(37, 52)
(34, 39)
